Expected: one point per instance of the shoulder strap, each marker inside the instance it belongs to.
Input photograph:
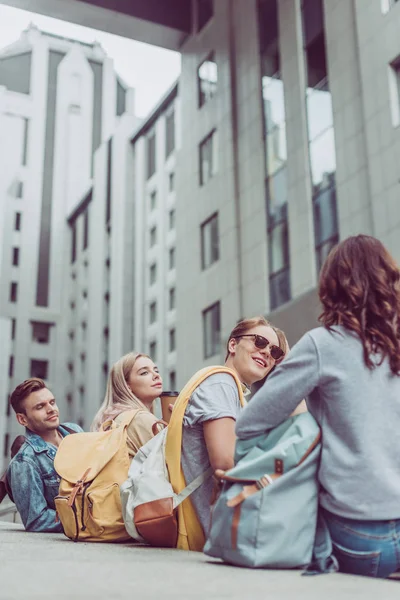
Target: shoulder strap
(191, 536)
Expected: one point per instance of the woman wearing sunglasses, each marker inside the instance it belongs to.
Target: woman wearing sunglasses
(350, 371)
(254, 348)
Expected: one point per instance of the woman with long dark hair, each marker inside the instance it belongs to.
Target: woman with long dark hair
(349, 369)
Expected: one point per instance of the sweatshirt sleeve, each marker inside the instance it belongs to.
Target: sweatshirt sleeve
(294, 379)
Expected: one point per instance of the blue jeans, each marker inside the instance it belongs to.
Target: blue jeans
(370, 548)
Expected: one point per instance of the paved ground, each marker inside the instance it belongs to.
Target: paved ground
(43, 566)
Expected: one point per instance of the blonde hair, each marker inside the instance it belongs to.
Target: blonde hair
(119, 397)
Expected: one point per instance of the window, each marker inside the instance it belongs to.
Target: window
(41, 332)
(171, 259)
(11, 367)
(153, 200)
(208, 157)
(171, 182)
(86, 229)
(172, 381)
(205, 11)
(153, 236)
(394, 91)
(19, 189)
(321, 136)
(153, 351)
(153, 273)
(13, 291)
(6, 444)
(153, 312)
(209, 242)
(15, 257)
(17, 222)
(171, 219)
(169, 133)
(73, 243)
(207, 80)
(172, 340)
(13, 328)
(387, 5)
(172, 299)
(151, 154)
(25, 142)
(211, 330)
(39, 368)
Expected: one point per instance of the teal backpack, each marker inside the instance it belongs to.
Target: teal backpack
(266, 513)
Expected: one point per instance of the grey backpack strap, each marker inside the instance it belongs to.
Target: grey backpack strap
(192, 487)
(322, 560)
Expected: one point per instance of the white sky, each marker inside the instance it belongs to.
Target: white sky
(149, 69)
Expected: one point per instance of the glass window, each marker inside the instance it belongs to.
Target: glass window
(171, 218)
(13, 291)
(319, 109)
(323, 159)
(17, 222)
(15, 257)
(39, 368)
(153, 351)
(278, 247)
(211, 330)
(151, 154)
(153, 273)
(19, 192)
(208, 157)
(325, 215)
(171, 182)
(205, 11)
(171, 258)
(153, 312)
(207, 80)
(172, 299)
(153, 236)
(25, 142)
(13, 328)
(169, 133)
(279, 284)
(153, 200)
(277, 196)
(11, 367)
(41, 332)
(86, 229)
(172, 340)
(172, 381)
(73, 242)
(209, 242)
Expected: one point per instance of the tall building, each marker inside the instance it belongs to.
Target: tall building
(59, 101)
(121, 282)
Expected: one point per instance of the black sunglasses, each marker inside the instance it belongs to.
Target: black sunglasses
(261, 342)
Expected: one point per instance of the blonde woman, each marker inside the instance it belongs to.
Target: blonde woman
(134, 383)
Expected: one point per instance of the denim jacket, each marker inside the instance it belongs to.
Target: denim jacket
(34, 482)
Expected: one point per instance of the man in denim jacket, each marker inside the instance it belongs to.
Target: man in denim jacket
(31, 475)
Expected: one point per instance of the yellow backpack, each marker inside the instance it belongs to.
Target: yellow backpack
(91, 467)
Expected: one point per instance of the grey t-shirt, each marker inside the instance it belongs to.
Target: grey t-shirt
(215, 398)
(358, 410)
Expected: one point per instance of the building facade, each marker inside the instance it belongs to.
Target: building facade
(290, 110)
(121, 278)
(59, 100)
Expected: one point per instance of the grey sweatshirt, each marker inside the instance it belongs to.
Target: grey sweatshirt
(358, 410)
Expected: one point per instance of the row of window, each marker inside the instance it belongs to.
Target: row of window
(153, 195)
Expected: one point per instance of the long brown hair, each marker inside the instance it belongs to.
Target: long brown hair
(359, 288)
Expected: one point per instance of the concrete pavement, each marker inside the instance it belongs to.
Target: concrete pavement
(42, 566)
